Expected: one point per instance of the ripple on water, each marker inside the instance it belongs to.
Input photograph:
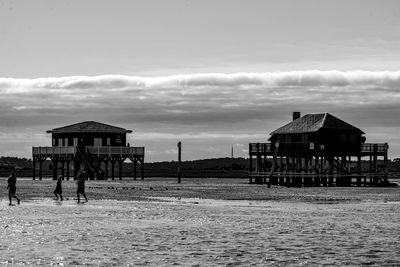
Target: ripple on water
(213, 233)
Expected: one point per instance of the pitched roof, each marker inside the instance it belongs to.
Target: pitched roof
(89, 127)
(314, 122)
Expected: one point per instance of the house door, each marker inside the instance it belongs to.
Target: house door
(97, 142)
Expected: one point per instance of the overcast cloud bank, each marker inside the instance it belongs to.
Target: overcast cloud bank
(387, 79)
(209, 107)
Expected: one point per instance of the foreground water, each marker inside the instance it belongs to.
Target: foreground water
(193, 232)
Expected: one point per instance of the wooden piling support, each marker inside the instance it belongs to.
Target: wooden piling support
(112, 169)
(55, 167)
(120, 162)
(62, 168)
(34, 169)
(250, 165)
(68, 161)
(142, 168)
(106, 169)
(40, 168)
(385, 163)
(179, 162)
(134, 168)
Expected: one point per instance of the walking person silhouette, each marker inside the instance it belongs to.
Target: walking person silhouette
(81, 185)
(12, 187)
(58, 190)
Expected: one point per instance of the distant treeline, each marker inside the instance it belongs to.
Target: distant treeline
(216, 167)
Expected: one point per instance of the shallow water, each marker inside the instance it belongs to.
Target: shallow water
(194, 232)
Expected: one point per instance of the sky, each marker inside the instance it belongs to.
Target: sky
(212, 74)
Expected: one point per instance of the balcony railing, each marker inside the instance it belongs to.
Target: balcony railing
(54, 150)
(260, 147)
(374, 147)
(312, 146)
(95, 150)
(115, 150)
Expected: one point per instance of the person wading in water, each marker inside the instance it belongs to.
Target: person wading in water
(12, 188)
(58, 190)
(81, 185)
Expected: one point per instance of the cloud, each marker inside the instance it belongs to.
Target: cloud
(196, 95)
(205, 106)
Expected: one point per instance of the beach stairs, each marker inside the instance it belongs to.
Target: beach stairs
(93, 166)
(270, 179)
(344, 178)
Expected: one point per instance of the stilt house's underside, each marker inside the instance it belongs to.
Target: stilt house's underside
(317, 150)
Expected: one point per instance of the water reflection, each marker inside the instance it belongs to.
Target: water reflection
(199, 232)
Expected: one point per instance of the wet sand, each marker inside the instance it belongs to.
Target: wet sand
(204, 188)
(201, 222)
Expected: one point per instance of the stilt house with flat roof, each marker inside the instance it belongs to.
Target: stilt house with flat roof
(91, 146)
(317, 150)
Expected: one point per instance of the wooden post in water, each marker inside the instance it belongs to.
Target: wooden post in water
(359, 170)
(62, 169)
(120, 162)
(112, 169)
(385, 163)
(55, 166)
(40, 169)
(179, 162)
(250, 164)
(134, 169)
(34, 169)
(68, 169)
(106, 171)
(142, 168)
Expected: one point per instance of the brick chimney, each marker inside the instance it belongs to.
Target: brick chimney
(296, 115)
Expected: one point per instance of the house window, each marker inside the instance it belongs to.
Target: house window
(60, 142)
(118, 139)
(343, 138)
(66, 142)
(75, 141)
(108, 141)
(54, 142)
(97, 142)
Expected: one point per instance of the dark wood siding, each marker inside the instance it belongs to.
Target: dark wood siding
(87, 139)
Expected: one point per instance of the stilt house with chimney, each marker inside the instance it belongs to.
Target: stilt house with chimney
(317, 150)
(91, 146)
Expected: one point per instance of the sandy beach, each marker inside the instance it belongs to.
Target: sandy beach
(201, 222)
(204, 188)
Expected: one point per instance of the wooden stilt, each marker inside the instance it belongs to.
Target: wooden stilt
(62, 168)
(106, 169)
(179, 162)
(306, 168)
(142, 169)
(385, 164)
(287, 168)
(112, 169)
(375, 157)
(76, 168)
(250, 167)
(40, 169)
(281, 177)
(120, 169)
(134, 168)
(68, 161)
(34, 169)
(359, 170)
(258, 179)
(331, 171)
(55, 167)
